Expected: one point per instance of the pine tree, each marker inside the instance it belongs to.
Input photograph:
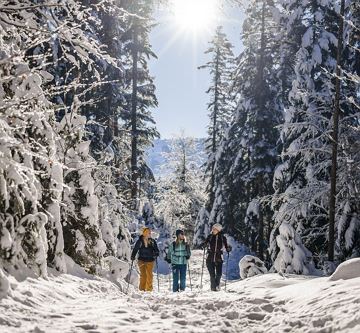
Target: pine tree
(54, 69)
(220, 107)
(302, 180)
(347, 226)
(202, 228)
(249, 150)
(139, 94)
(26, 145)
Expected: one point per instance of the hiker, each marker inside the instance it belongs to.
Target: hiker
(178, 255)
(148, 252)
(214, 243)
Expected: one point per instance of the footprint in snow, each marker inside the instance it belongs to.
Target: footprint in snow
(164, 316)
(257, 301)
(255, 316)
(268, 308)
(181, 322)
(87, 327)
(232, 315)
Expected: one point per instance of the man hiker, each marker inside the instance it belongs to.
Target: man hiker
(178, 255)
(148, 252)
(214, 244)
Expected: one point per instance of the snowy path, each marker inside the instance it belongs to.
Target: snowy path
(269, 303)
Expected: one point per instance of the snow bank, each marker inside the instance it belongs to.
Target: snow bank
(349, 269)
(73, 268)
(251, 266)
(119, 269)
(270, 302)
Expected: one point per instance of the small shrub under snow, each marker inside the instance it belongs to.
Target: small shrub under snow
(118, 269)
(251, 266)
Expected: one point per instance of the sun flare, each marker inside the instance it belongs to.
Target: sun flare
(194, 15)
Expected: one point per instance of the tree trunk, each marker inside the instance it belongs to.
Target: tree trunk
(214, 133)
(134, 140)
(261, 93)
(334, 137)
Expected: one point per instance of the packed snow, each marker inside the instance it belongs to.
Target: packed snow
(267, 302)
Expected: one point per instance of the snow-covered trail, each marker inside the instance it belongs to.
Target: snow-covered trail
(268, 303)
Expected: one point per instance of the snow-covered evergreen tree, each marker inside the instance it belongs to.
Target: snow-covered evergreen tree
(347, 218)
(301, 182)
(202, 227)
(139, 90)
(221, 105)
(248, 154)
(29, 190)
(180, 195)
(45, 51)
(80, 216)
(293, 257)
(113, 215)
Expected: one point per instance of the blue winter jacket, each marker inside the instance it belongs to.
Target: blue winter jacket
(177, 253)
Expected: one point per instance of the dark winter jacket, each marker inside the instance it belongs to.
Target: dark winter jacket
(214, 245)
(148, 253)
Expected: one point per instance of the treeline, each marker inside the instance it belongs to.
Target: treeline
(75, 120)
(271, 171)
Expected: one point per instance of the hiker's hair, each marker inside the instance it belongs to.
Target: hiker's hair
(178, 240)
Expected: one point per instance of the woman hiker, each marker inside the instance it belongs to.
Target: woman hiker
(148, 252)
(215, 243)
(178, 255)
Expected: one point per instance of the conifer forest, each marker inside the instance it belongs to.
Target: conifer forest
(277, 172)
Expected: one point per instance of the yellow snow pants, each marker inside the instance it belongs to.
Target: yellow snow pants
(146, 275)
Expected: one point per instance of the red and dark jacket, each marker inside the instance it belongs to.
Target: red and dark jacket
(214, 245)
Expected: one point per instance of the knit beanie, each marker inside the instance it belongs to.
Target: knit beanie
(179, 232)
(217, 226)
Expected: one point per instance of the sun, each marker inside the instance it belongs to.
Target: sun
(194, 15)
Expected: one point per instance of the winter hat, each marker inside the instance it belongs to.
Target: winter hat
(179, 232)
(217, 226)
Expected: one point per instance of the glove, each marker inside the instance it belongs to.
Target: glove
(229, 248)
(187, 257)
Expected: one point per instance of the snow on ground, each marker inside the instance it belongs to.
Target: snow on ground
(264, 303)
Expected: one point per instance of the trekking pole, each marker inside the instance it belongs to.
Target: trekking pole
(202, 269)
(189, 275)
(131, 267)
(157, 274)
(170, 272)
(227, 265)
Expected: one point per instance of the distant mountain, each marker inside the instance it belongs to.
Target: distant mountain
(157, 161)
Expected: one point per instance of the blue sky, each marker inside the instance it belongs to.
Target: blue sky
(180, 85)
